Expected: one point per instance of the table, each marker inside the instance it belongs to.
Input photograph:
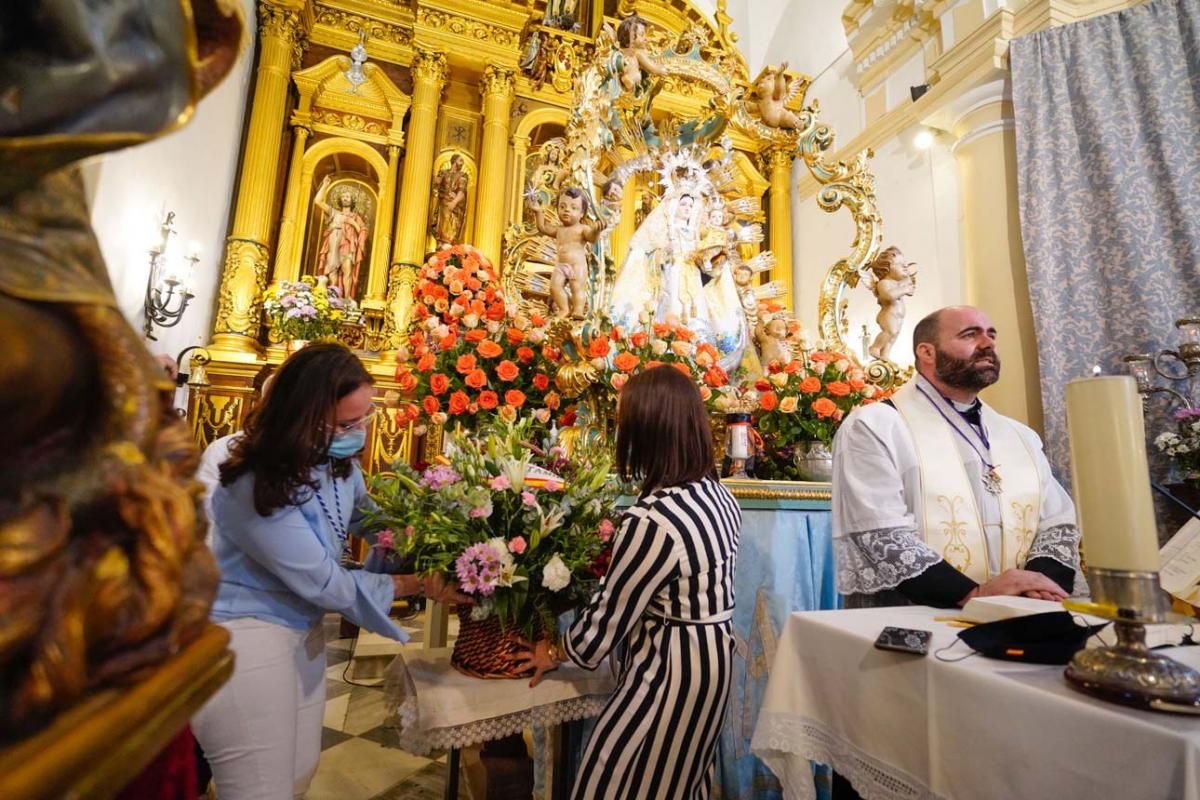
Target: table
(437, 707)
(904, 726)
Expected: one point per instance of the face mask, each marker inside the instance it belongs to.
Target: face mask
(347, 444)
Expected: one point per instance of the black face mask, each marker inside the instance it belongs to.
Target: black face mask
(1051, 638)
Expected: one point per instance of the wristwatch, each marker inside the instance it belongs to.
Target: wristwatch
(554, 653)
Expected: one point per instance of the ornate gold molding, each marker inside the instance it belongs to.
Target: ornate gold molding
(497, 81)
(356, 24)
(280, 23)
(778, 490)
(401, 282)
(430, 66)
(243, 280)
(464, 26)
(775, 157)
(350, 122)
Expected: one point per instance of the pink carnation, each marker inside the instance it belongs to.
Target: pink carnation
(499, 483)
(385, 539)
(517, 545)
(606, 530)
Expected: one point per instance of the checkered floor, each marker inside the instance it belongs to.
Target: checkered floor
(359, 758)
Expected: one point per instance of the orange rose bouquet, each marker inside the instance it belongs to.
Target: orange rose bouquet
(470, 359)
(806, 400)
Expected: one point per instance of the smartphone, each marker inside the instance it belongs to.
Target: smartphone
(904, 640)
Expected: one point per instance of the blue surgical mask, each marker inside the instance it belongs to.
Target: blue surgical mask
(347, 444)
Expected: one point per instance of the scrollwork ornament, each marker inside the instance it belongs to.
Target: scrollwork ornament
(278, 23)
(243, 280)
(430, 66)
(497, 81)
(355, 24)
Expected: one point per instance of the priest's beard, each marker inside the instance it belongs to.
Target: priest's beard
(971, 374)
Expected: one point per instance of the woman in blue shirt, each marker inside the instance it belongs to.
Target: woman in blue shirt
(290, 495)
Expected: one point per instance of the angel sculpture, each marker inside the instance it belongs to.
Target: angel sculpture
(772, 92)
(894, 278)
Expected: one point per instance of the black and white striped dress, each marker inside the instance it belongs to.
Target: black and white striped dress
(668, 597)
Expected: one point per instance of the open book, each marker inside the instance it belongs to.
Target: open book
(1179, 572)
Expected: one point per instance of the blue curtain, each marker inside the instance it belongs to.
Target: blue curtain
(1108, 160)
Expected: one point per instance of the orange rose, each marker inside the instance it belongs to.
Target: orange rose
(598, 348)
(775, 366)
(549, 353)
(810, 385)
(488, 400)
(515, 336)
(439, 383)
(477, 335)
(819, 357)
(431, 404)
(495, 312)
(661, 329)
(507, 370)
(838, 389)
(824, 407)
(626, 362)
(474, 284)
(465, 364)
(857, 384)
(793, 367)
(525, 354)
(716, 377)
(489, 349)
(768, 401)
(553, 401)
(459, 402)
(686, 334)
(762, 385)
(514, 398)
(639, 339)
(541, 382)
(406, 381)
(476, 379)
(538, 320)
(426, 362)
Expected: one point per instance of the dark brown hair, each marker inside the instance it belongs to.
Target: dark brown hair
(288, 433)
(625, 29)
(574, 192)
(663, 435)
(926, 331)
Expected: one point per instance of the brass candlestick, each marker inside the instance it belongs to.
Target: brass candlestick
(1128, 672)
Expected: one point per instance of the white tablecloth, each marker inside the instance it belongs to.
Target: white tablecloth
(904, 726)
(437, 707)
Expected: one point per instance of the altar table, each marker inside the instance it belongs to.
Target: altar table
(905, 726)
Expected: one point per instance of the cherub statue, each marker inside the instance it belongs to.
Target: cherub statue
(636, 58)
(568, 284)
(894, 279)
(771, 94)
(772, 339)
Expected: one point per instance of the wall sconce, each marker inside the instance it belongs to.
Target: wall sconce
(1147, 368)
(167, 294)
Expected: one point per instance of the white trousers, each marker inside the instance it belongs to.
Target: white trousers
(261, 733)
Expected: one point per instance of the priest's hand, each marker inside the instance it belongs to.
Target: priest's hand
(1023, 582)
(541, 655)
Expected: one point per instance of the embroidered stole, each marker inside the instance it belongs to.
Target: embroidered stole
(947, 514)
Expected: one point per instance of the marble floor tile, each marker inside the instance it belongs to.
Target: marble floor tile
(335, 711)
(358, 769)
(428, 783)
(331, 737)
(336, 687)
(365, 710)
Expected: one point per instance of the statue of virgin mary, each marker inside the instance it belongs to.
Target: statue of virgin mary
(661, 277)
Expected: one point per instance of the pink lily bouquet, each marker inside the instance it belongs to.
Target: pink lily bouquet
(524, 530)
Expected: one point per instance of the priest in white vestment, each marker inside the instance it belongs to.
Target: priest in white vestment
(937, 498)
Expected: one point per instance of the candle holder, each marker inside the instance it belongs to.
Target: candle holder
(1128, 672)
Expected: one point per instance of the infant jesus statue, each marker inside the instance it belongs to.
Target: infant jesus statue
(573, 234)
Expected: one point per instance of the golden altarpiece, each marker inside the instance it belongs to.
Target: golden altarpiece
(408, 124)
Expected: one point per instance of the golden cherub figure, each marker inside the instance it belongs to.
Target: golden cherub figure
(772, 92)
(635, 53)
(573, 234)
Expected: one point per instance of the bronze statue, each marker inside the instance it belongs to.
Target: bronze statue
(103, 569)
(450, 203)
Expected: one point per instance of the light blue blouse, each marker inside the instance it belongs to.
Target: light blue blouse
(285, 568)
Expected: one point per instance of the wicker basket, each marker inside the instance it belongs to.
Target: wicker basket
(482, 648)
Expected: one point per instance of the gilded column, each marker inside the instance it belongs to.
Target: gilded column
(994, 274)
(412, 217)
(497, 91)
(244, 277)
(520, 147)
(377, 284)
(627, 225)
(286, 268)
(778, 162)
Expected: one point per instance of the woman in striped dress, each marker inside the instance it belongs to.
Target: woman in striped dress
(667, 597)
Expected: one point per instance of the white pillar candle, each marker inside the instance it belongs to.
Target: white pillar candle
(1110, 473)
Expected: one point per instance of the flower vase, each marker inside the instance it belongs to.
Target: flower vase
(295, 345)
(814, 461)
(483, 647)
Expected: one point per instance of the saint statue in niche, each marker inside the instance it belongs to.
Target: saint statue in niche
(449, 212)
(344, 239)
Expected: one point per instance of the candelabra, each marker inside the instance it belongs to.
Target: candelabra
(1147, 368)
(167, 294)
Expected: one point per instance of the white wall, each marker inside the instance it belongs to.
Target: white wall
(190, 172)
